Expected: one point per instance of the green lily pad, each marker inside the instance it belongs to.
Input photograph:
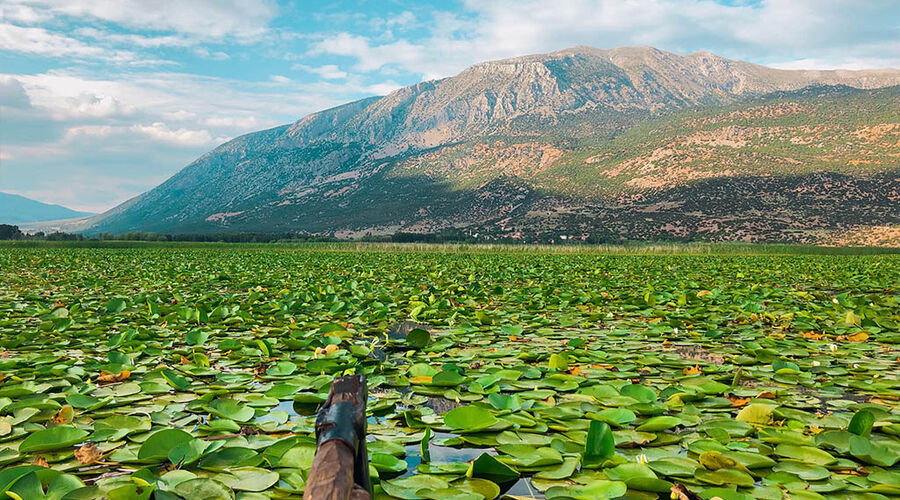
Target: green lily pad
(803, 471)
(418, 338)
(387, 463)
(594, 490)
(158, 446)
(674, 466)
(53, 438)
(248, 478)
(660, 423)
(488, 467)
(861, 423)
(408, 487)
(599, 444)
(806, 454)
(869, 452)
(725, 477)
(469, 418)
(231, 409)
(203, 488)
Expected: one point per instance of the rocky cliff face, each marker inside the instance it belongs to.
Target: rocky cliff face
(490, 97)
(575, 125)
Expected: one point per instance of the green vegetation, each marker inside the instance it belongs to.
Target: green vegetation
(160, 370)
(10, 232)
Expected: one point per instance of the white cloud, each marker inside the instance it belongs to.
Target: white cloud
(238, 122)
(74, 133)
(12, 94)
(372, 57)
(161, 132)
(280, 79)
(42, 42)
(821, 33)
(135, 40)
(215, 56)
(404, 19)
(23, 14)
(383, 88)
(202, 19)
(96, 106)
(328, 71)
(179, 116)
(46, 43)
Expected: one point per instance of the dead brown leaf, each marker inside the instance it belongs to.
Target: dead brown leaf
(109, 378)
(736, 401)
(65, 415)
(88, 454)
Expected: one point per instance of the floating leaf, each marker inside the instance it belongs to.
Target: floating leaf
(505, 402)
(869, 452)
(487, 467)
(248, 478)
(187, 452)
(558, 362)
(202, 487)
(176, 380)
(115, 305)
(806, 454)
(760, 414)
(638, 392)
(231, 409)
(160, 443)
(407, 488)
(387, 463)
(424, 445)
(599, 444)
(53, 438)
(659, 423)
(469, 418)
(418, 338)
(861, 423)
(196, 337)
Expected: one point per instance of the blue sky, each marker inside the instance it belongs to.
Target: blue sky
(102, 100)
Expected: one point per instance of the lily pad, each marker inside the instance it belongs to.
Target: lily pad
(51, 439)
(469, 418)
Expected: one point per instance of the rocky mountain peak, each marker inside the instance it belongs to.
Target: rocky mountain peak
(484, 144)
(494, 96)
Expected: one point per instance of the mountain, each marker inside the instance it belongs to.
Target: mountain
(15, 209)
(632, 143)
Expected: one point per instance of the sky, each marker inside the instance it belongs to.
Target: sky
(103, 100)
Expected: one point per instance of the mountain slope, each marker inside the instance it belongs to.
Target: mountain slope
(506, 146)
(15, 209)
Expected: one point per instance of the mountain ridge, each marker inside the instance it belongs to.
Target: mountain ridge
(18, 209)
(531, 119)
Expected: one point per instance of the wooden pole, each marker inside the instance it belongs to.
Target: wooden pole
(341, 434)
(331, 475)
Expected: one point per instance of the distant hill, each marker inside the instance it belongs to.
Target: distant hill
(15, 209)
(628, 143)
